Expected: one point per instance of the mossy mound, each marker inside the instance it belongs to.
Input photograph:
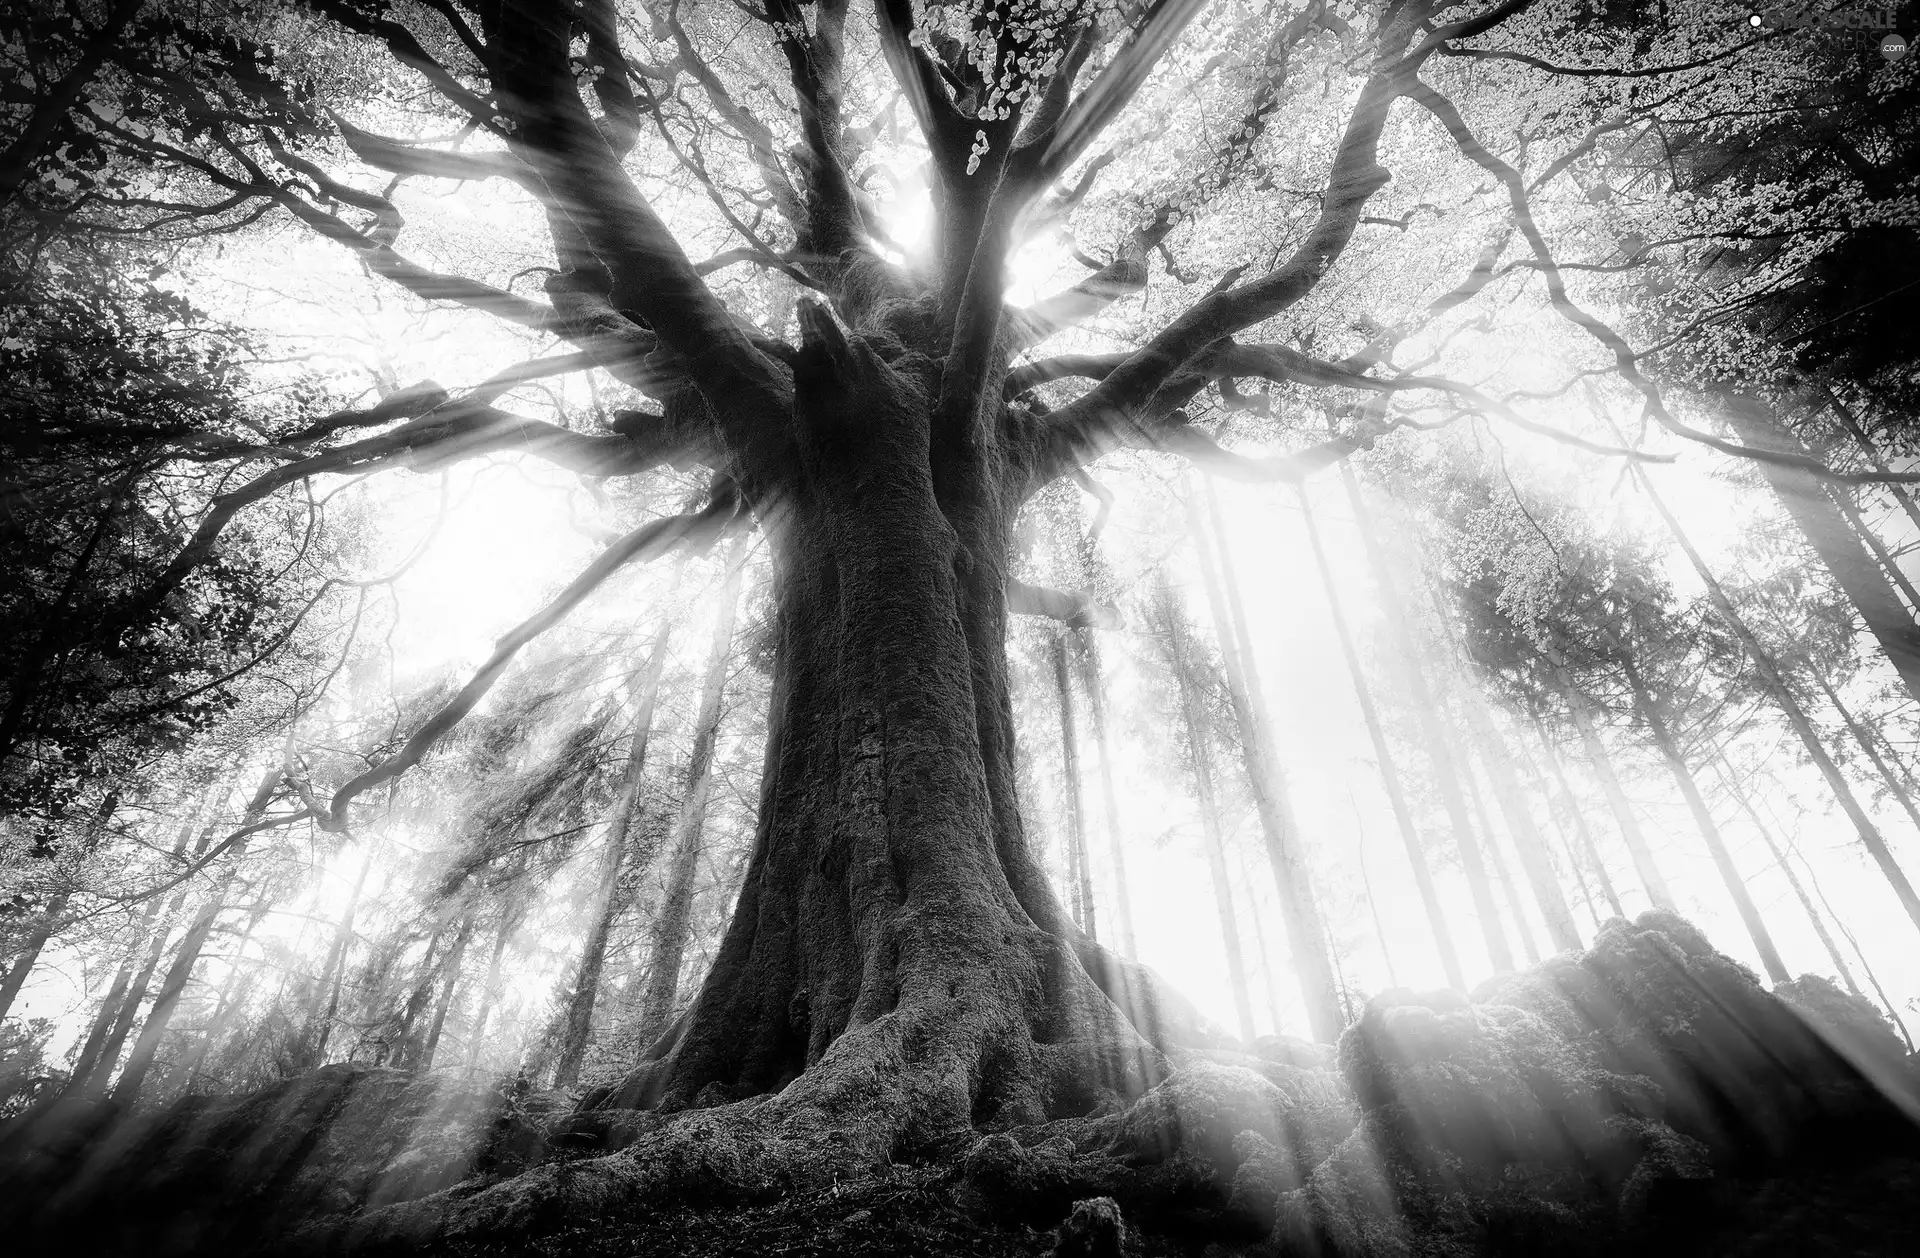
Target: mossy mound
(208, 1172)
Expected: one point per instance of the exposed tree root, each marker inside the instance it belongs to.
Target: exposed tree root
(1646, 1088)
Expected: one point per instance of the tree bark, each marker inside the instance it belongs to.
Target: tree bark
(1654, 717)
(1094, 683)
(1259, 753)
(1826, 530)
(187, 955)
(1384, 759)
(673, 918)
(1199, 739)
(897, 966)
(621, 854)
(1446, 773)
(1080, 871)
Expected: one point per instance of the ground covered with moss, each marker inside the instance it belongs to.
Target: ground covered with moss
(1646, 1095)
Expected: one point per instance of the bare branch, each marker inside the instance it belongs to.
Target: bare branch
(647, 542)
(1072, 607)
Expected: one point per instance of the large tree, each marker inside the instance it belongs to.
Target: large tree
(898, 968)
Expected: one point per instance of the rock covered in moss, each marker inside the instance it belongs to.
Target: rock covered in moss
(1094, 1229)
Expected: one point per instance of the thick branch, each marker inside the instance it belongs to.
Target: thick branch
(1072, 607)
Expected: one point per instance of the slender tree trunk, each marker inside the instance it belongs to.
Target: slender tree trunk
(1092, 680)
(1865, 739)
(608, 902)
(1366, 889)
(1446, 772)
(1516, 909)
(1286, 853)
(490, 990)
(187, 955)
(1384, 759)
(1873, 456)
(1866, 966)
(674, 918)
(1730, 783)
(1602, 764)
(319, 1024)
(16, 976)
(233, 994)
(448, 985)
(1775, 684)
(98, 1059)
(1082, 873)
(1581, 830)
(1269, 972)
(1180, 649)
(1652, 714)
(1535, 860)
(1826, 530)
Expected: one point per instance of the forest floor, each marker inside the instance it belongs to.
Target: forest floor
(1854, 1212)
(1646, 1097)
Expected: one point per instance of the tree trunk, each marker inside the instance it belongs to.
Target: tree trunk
(1199, 739)
(1873, 456)
(490, 990)
(1383, 758)
(16, 975)
(1581, 830)
(91, 1074)
(673, 918)
(897, 966)
(1259, 753)
(1656, 722)
(1498, 859)
(1080, 871)
(1446, 773)
(187, 954)
(1730, 782)
(1535, 860)
(1092, 680)
(1602, 764)
(1776, 686)
(1864, 738)
(621, 854)
(1826, 530)
(332, 975)
(423, 1060)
